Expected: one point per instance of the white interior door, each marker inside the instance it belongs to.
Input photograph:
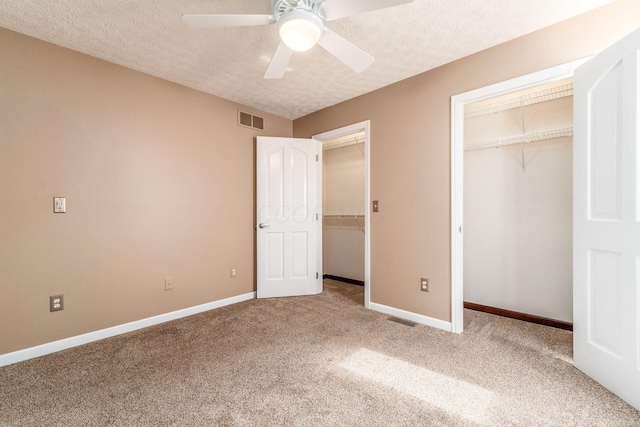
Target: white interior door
(606, 219)
(288, 212)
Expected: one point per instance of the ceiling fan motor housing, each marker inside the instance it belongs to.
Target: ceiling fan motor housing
(282, 7)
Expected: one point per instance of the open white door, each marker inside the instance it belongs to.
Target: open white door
(287, 214)
(607, 219)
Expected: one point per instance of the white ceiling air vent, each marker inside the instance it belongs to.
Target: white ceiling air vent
(250, 121)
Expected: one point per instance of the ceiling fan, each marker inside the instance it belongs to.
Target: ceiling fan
(301, 26)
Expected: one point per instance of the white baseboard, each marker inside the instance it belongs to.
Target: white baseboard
(52, 347)
(418, 318)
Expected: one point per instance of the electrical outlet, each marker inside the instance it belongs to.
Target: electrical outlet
(424, 285)
(56, 303)
(168, 284)
(233, 272)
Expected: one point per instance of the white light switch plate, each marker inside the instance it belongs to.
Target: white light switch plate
(59, 205)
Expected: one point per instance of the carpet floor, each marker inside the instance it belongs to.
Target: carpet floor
(312, 361)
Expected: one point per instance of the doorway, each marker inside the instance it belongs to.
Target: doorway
(345, 213)
(458, 104)
(518, 210)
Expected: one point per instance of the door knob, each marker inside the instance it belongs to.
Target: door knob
(261, 225)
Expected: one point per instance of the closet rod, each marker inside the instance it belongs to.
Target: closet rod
(521, 139)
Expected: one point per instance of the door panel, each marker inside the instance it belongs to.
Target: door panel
(275, 184)
(606, 227)
(605, 145)
(299, 186)
(299, 246)
(275, 254)
(604, 301)
(287, 203)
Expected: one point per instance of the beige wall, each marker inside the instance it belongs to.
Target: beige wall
(159, 181)
(410, 150)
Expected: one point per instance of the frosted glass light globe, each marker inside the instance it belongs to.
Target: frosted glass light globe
(300, 30)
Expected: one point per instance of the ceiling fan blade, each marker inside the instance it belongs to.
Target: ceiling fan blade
(354, 57)
(336, 9)
(279, 62)
(218, 21)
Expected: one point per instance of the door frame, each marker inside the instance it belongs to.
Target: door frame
(365, 127)
(458, 103)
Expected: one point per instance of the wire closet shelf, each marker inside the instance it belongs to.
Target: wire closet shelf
(355, 218)
(520, 101)
(483, 109)
(521, 139)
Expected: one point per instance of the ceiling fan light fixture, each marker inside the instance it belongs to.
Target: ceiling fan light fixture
(300, 30)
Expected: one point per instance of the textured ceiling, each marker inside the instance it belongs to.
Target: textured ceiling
(149, 36)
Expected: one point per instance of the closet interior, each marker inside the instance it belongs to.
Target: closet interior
(518, 202)
(343, 199)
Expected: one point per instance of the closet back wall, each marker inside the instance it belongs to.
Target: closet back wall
(343, 194)
(518, 224)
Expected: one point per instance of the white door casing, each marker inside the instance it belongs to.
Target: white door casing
(458, 103)
(606, 253)
(365, 127)
(287, 208)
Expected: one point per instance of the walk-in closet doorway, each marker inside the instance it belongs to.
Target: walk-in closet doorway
(345, 201)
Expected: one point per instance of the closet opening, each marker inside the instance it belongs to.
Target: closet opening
(345, 198)
(518, 205)
(523, 150)
(343, 209)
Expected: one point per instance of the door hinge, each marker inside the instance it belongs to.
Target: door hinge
(316, 217)
(316, 157)
(317, 275)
